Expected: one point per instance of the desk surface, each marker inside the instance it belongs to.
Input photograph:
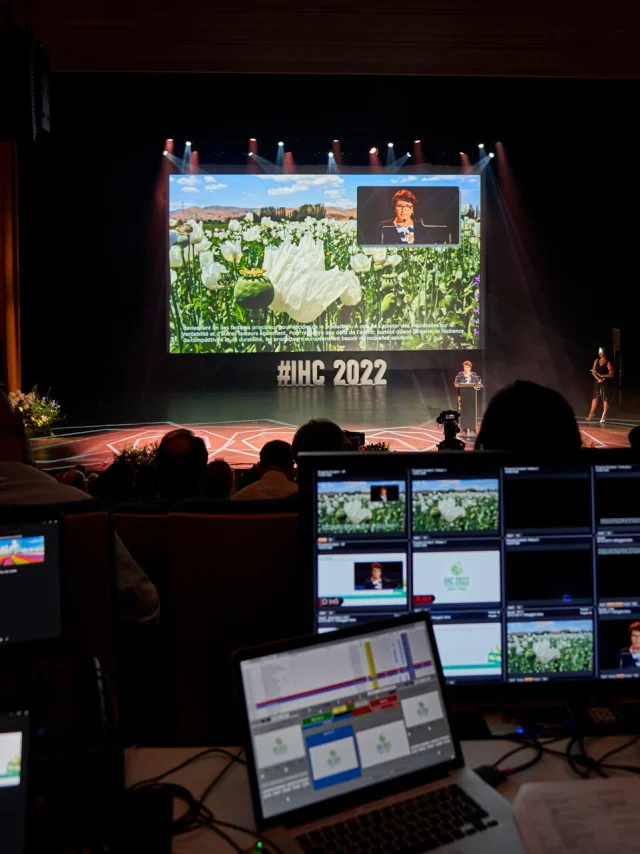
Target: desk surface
(231, 801)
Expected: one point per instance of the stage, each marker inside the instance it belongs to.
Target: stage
(239, 442)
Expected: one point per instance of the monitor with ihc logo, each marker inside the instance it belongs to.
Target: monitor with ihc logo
(529, 565)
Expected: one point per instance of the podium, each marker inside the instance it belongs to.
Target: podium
(468, 407)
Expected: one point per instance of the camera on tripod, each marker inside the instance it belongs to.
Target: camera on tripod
(449, 420)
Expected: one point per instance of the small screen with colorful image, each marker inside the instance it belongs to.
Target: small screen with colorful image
(19, 550)
(455, 505)
(361, 507)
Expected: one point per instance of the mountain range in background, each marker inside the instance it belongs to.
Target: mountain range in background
(221, 213)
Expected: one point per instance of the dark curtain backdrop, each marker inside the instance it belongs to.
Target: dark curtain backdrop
(93, 288)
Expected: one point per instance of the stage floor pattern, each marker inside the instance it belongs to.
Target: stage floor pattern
(239, 442)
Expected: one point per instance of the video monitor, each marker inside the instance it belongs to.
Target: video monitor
(315, 262)
(416, 216)
(547, 500)
(528, 563)
(30, 597)
(14, 752)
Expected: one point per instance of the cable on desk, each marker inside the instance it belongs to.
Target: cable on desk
(181, 765)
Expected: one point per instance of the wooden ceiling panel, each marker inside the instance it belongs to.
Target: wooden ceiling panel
(567, 38)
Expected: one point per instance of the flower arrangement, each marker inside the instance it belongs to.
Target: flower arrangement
(137, 456)
(39, 412)
(375, 446)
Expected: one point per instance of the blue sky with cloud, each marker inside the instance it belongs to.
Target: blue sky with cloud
(336, 190)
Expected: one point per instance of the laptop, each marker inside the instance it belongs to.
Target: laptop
(350, 747)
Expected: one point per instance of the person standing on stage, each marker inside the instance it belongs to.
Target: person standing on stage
(467, 375)
(602, 371)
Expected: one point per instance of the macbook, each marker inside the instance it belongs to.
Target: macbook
(350, 747)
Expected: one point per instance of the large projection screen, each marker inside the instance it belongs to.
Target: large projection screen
(311, 262)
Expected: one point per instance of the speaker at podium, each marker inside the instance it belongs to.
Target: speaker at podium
(468, 384)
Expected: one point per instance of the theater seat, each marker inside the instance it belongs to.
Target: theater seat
(234, 582)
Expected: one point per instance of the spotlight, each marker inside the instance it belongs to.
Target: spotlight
(252, 139)
(170, 139)
(187, 143)
(481, 145)
(417, 141)
(373, 150)
(336, 140)
(408, 155)
(165, 152)
(389, 145)
(331, 154)
(491, 154)
(281, 144)
(251, 154)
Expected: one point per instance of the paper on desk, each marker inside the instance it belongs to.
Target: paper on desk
(575, 817)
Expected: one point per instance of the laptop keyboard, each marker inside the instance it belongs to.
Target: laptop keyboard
(423, 823)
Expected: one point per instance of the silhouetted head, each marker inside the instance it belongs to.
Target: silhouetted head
(506, 422)
(277, 456)
(181, 461)
(219, 480)
(74, 478)
(116, 483)
(319, 434)
(634, 437)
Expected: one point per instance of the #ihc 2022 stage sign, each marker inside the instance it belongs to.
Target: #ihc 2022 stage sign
(300, 263)
(296, 372)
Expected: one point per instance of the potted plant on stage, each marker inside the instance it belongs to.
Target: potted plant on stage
(39, 412)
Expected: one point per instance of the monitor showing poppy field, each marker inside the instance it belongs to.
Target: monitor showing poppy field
(272, 262)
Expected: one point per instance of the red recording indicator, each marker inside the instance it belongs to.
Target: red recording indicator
(330, 601)
(424, 600)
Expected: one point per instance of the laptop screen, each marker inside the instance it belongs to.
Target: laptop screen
(526, 563)
(13, 784)
(29, 582)
(342, 715)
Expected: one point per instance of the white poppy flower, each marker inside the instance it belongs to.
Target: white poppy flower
(449, 510)
(267, 222)
(249, 217)
(197, 231)
(252, 233)
(173, 238)
(477, 229)
(234, 225)
(174, 277)
(231, 252)
(368, 250)
(211, 273)
(360, 263)
(355, 512)
(353, 293)
(393, 260)
(465, 207)
(353, 249)
(175, 257)
(173, 223)
(379, 254)
(205, 258)
(303, 287)
(203, 246)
